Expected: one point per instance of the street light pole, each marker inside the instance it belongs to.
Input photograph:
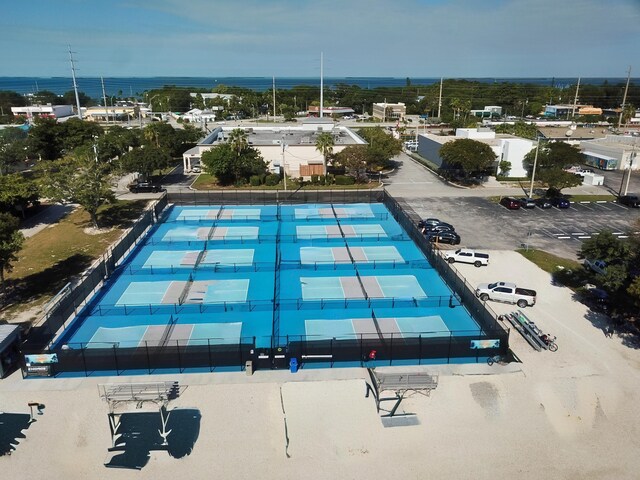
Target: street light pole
(284, 166)
(533, 173)
(633, 155)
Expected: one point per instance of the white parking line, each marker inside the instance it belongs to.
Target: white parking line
(619, 206)
(563, 237)
(578, 233)
(584, 236)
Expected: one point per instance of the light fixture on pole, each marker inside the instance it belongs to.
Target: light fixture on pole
(533, 172)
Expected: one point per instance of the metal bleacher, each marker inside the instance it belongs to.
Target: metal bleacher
(400, 383)
(156, 392)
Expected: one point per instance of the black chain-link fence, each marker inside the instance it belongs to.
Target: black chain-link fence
(491, 340)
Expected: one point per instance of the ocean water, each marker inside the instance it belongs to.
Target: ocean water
(135, 86)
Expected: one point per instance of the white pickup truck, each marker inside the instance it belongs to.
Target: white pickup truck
(466, 255)
(507, 293)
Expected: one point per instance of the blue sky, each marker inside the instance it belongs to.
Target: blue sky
(394, 38)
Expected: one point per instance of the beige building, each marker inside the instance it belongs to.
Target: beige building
(389, 111)
(292, 149)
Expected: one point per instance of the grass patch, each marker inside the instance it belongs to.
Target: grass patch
(206, 181)
(52, 257)
(591, 198)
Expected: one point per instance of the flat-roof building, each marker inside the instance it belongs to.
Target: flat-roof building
(389, 111)
(288, 148)
(506, 147)
(49, 111)
(613, 152)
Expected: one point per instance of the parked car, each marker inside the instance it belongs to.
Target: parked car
(510, 203)
(629, 200)
(196, 169)
(526, 202)
(543, 203)
(507, 293)
(560, 202)
(440, 227)
(142, 187)
(428, 222)
(597, 266)
(451, 238)
(466, 255)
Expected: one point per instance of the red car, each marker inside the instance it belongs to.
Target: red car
(510, 203)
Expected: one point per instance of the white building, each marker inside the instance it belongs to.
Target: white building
(489, 111)
(290, 148)
(198, 115)
(506, 147)
(50, 111)
(613, 152)
(389, 111)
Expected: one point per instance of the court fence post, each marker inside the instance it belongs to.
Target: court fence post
(146, 347)
(209, 354)
(390, 350)
(449, 352)
(179, 357)
(115, 357)
(420, 349)
(84, 361)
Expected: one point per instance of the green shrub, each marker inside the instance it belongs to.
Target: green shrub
(344, 180)
(272, 180)
(315, 180)
(322, 180)
(329, 179)
(255, 181)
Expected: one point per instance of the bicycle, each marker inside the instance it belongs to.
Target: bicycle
(499, 359)
(550, 342)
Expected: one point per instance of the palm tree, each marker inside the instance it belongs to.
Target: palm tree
(324, 144)
(238, 140)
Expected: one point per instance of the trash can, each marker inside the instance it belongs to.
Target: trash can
(293, 365)
(248, 367)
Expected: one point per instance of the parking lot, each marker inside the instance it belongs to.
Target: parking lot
(484, 224)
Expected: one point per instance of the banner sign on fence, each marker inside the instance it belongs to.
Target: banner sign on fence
(481, 344)
(40, 365)
(41, 359)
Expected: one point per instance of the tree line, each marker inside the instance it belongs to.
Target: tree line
(458, 99)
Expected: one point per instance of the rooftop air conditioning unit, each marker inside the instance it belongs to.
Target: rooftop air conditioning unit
(275, 142)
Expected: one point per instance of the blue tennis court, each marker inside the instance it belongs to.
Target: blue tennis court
(218, 275)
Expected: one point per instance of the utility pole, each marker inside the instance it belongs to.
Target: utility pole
(274, 98)
(321, 84)
(104, 98)
(575, 100)
(75, 85)
(624, 98)
(440, 102)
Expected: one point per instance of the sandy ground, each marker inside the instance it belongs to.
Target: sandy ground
(572, 414)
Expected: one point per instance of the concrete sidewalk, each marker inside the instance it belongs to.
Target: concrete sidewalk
(49, 216)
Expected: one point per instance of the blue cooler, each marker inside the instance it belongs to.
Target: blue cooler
(293, 365)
